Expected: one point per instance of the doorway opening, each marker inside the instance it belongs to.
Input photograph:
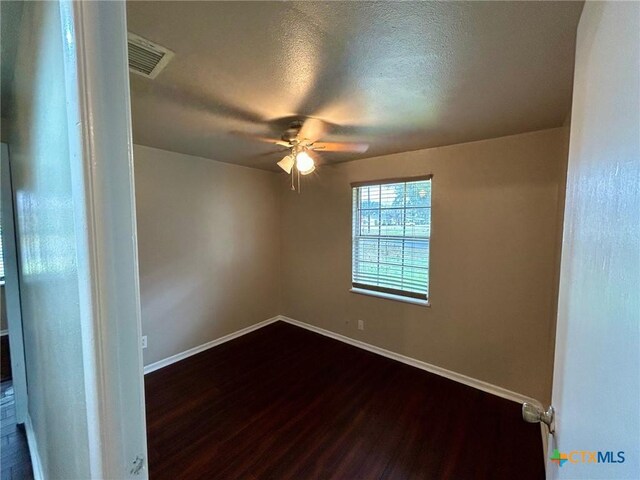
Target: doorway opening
(13, 385)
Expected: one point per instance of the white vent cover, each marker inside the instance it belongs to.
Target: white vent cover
(145, 57)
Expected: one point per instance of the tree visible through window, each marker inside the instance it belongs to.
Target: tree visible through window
(391, 231)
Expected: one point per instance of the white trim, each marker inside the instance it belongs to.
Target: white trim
(4, 332)
(443, 372)
(12, 305)
(36, 463)
(152, 367)
(101, 163)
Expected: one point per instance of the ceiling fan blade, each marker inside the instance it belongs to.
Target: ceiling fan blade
(274, 152)
(340, 147)
(259, 138)
(312, 130)
(286, 163)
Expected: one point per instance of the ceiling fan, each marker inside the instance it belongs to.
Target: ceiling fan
(301, 139)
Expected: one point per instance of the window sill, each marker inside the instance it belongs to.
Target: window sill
(390, 296)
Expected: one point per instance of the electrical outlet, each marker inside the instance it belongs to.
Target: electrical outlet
(360, 324)
(144, 341)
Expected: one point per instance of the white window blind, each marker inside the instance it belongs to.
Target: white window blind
(391, 231)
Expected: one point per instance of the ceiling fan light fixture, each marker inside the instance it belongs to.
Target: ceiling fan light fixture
(304, 163)
(307, 172)
(287, 163)
(302, 139)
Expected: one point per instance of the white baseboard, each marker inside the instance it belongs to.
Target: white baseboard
(443, 372)
(36, 463)
(152, 367)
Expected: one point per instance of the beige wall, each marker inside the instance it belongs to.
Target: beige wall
(218, 255)
(497, 207)
(209, 247)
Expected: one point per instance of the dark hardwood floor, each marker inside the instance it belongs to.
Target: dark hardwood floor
(286, 403)
(5, 358)
(16, 462)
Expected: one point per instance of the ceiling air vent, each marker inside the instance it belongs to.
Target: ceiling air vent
(146, 58)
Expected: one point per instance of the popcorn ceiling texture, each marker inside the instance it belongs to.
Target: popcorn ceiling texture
(399, 75)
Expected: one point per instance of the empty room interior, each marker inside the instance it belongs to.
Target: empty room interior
(354, 225)
(433, 238)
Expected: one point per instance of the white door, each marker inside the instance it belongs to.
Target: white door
(596, 388)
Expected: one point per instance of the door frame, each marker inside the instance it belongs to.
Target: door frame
(12, 290)
(101, 158)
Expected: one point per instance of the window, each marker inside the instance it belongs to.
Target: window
(391, 230)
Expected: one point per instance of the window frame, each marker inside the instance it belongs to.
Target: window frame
(384, 292)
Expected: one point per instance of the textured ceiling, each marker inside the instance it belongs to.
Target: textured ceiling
(399, 75)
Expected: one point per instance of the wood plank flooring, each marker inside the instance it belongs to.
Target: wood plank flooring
(286, 403)
(15, 461)
(5, 358)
